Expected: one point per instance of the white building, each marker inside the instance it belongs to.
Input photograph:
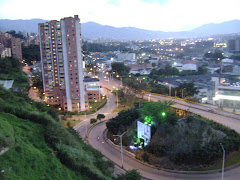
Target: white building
(226, 95)
(93, 88)
(126, 56)
(185, 65)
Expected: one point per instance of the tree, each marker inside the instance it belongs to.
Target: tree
(216, 55)
(16, 35)
(120, 122)
(31, 53)
(160, 73)
(100, 116)
(186, 89)
(156, 112)
(93, 120)
(37, 81)
(120, 68)
(202, 70)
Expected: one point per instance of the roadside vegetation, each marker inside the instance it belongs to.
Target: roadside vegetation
(35, 145)
(44, 135)
(178, 142)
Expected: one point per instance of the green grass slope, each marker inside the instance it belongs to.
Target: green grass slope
(29, 156)
(40, 147)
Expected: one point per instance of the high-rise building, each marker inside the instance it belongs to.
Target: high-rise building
(62, 68)
(233, 45)
(16, 46)
(13, 45)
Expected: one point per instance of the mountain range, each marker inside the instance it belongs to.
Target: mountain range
(92, 30)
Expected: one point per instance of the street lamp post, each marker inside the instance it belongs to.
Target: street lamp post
(170, 90)
(223, 160)
(182, 92)
(149, 97)
(169, 86)
(117, 97)
(120, 136)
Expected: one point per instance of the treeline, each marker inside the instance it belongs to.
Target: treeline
(31, 53)
(170, 71)
(10, 69)
(15, 34)
(99, 47)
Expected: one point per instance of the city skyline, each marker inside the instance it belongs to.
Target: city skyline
(164, 15)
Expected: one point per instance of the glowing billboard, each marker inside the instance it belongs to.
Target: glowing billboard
(144, 132)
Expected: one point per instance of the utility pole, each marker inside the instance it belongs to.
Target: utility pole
(117, 97)
(182, 92)
(120, 136)
(223, 160)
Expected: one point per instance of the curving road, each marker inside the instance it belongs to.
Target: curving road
(103, 145)
(83, 126)
(147, 171)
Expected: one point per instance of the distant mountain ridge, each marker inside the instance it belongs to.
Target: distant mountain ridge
(92, 30)
(20, 25)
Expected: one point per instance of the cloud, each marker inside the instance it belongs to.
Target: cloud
(165, 15)
(161, 2)
(114, 2)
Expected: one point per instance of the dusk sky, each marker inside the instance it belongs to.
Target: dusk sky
(164, 15)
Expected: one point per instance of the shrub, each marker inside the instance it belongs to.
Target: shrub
(124, 118)
(100, 116)
(145, 157)
(93, 120)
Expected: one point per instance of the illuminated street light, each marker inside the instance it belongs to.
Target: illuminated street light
(120, 136)
(149, 95)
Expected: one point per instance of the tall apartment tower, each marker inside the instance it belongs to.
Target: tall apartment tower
(62, 68)
(233, 45)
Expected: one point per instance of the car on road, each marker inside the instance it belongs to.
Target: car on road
(211, 110)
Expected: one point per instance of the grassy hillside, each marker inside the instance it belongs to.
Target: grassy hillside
(40, 147)
(29, 156)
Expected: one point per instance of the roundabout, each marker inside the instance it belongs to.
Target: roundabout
(112, 152)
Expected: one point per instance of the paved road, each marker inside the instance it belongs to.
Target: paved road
(147, 171)
(228, 119)
(33, 93)
(83, 126)
(153, 173)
